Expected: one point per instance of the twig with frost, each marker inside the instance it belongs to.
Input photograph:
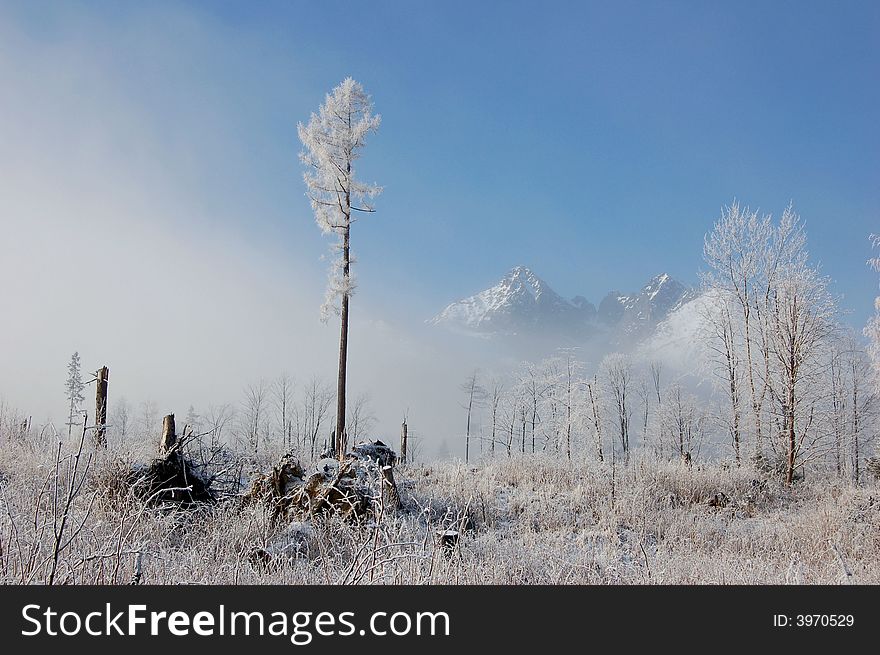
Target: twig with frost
(847, 574)
(74, 485)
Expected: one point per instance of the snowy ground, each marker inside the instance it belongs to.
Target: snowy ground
(525, 520)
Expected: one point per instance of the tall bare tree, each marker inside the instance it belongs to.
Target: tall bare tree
(283, 400)
(595, 403)
(739, 255)
(686, 422)
(121, 421)
(148, 418)
(854, 413)
(617, 373)
(496, 399)
(360, 418)
(801, 314)
(725, 342)
(312, 413)
(218, 418)
(333, 140)
(475, 395)
(253, 410)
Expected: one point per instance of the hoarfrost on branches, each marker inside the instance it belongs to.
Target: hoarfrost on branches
(332, 141)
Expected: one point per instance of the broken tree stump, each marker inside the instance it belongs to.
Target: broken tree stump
(172, 480)
(101, 377)
(169, 436)
(448, 541)
(390, 494)
(403, 439)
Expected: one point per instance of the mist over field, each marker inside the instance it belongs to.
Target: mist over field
(117, 245)
(145, 228)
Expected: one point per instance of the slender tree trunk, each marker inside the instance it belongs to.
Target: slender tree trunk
(102, 376)
(856, 427)
(756, 409)
(596, 424)
(734, 401)
(403, 444)
(792, 435)
(568, 436)
(568, 415)
(343, 347)
(467, 434)
(534, 421)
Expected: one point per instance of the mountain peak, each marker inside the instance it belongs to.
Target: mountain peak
(521, 302)
(665, 286)
(521, 279)
(519, 271)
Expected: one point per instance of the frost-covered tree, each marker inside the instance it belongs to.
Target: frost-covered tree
(593, 391)
(533, 387)
(739, 256)
(121, 420)
(148, 417)
(511, 417)
(475, 396)
(360, 418)
(496, 399)
(283, 400)
(769, 322)
(74, 391)
(572, 372)
(218, 417)
(685, 422)
(853, 412)
(311, 413)
(801, 319)
(724, 339)
(252, 415)
(617, 375)
(332, 140)
(872, 330)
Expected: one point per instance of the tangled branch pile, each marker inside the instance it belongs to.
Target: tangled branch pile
(171, 479)
(351, 489)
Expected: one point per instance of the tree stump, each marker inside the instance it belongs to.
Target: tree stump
(389, 488)
(101, 377)
(403, 439)
(169, 436)
(448, 541)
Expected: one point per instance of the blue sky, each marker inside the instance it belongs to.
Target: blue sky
(594, 142)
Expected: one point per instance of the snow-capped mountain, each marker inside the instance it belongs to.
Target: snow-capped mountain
(638, 314)
(521, 303)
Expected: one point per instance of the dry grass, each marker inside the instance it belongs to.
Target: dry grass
(525, 520)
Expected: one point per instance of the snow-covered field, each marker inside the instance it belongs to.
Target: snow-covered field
(522, 520)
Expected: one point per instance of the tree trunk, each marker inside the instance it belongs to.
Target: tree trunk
(343, 350)
(390, 493)
(856, 428)
(102, 376)
(534, 421)
(494, 412)
(403, 437)
(467, 434)
(169, 436)
(792, 437)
